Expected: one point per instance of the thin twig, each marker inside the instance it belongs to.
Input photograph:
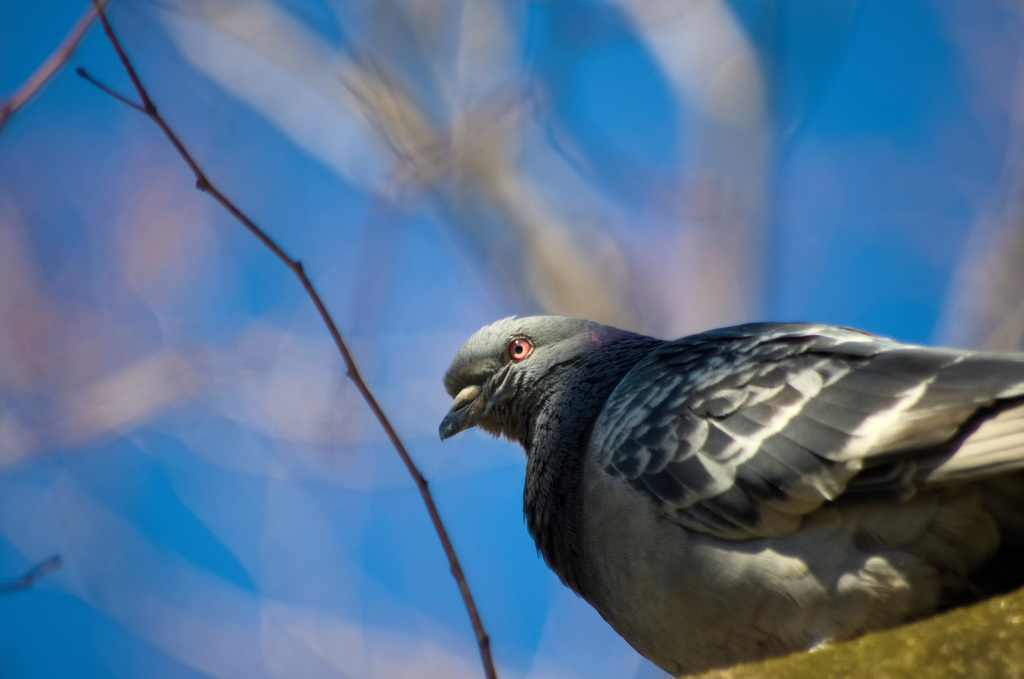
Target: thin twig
(85, 75)
(49, 68)
(203, 183)
(29, 579)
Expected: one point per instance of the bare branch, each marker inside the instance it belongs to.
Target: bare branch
(295, 266)
(49, 68)
(29, 579)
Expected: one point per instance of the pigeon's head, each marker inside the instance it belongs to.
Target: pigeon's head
(505, 371)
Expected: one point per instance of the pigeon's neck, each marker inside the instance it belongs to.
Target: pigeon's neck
(555, 452)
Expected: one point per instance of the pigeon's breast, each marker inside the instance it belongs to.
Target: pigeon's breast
(667, 591)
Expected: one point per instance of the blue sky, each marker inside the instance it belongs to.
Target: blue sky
(176, 423)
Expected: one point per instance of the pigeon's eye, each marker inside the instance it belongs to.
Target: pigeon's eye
(519, 348)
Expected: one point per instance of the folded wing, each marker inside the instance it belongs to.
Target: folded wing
(741, 432)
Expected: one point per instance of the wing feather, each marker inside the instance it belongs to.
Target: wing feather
(742, 431)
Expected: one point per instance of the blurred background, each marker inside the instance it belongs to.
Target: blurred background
(175, 422)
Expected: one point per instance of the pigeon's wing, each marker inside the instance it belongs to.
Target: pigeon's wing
(740, 432)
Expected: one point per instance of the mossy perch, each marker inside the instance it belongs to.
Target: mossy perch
(982, 641)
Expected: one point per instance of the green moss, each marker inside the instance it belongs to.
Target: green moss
(985, 640)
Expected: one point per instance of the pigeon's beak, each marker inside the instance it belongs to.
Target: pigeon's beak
(463, 414)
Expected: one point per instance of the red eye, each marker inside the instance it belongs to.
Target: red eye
(519, 348)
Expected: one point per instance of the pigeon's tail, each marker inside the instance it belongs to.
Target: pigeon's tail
(995, 447)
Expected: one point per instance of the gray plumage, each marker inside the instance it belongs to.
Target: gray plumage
(754, 490)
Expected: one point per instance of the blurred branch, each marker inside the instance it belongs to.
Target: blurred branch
(49, 68)
(985, 306)
(390, 111)
(29, 579)
(564, 268)
(147, 107)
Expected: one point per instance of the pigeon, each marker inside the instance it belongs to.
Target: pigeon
(755, 490)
